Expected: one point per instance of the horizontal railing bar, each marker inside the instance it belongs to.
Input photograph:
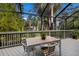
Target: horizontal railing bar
(35, 31)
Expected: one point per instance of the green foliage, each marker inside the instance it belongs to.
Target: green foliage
(10, 21)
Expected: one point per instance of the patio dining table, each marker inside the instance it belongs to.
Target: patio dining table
(35, 41)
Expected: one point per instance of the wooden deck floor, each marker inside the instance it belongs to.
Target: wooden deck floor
(69, 47)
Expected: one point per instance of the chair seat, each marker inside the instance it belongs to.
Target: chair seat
(50, 48)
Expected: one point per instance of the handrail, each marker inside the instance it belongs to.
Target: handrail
(35, 31)
(8, 39)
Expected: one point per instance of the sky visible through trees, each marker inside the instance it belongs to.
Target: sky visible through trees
(13, 21)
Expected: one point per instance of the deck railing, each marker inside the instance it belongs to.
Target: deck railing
(8, 39)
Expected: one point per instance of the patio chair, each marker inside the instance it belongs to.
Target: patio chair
(24, 44)
(49, 49)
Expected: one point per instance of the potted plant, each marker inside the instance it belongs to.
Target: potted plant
(74, 36)
(77, 34)
(43, 36)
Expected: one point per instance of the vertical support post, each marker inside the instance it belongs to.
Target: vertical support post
(20, 37)
(64, 29)
(41, 23)
(54, 23)
(73, 27)
(52, 20)
(7, 39)
(49, 25)
(73, 23)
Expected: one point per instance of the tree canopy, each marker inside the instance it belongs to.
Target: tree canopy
(10, 21)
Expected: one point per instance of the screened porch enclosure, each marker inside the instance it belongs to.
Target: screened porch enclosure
(22, 20)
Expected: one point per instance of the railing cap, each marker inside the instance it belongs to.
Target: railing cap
(35, 31)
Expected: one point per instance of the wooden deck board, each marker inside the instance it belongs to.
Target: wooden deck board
(1, 53)
(5, 53)
(69, 47)
(19, 51)
(16, 52)
(12, 51)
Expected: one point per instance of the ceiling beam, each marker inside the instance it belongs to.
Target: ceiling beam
(38, 15)
(72, 14)
(44, 9)
(62, 10)
(60, 16)
(19, 12)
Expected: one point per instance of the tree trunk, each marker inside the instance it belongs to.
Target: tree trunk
(41, 23)
(52, 22)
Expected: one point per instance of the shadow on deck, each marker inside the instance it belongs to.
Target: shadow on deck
(69, 47)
